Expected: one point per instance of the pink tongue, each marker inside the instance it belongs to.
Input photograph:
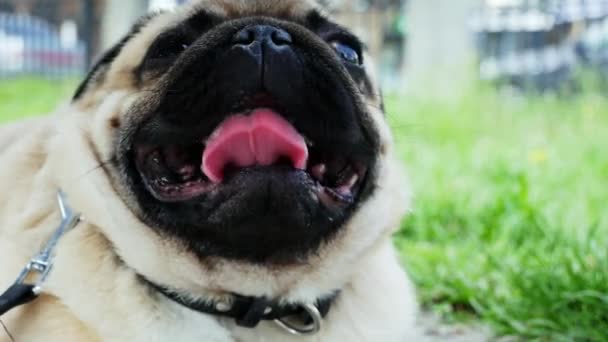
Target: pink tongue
(259, 139)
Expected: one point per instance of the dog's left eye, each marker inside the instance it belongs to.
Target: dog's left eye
(347, 52)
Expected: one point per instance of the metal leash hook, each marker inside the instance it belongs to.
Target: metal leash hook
(311, 329)
(42, 263)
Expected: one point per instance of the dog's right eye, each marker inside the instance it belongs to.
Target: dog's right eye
(170, 51)
(170, 48)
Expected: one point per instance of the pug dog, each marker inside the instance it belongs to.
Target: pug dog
(237, 181)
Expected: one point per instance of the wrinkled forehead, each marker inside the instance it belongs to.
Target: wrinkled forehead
(131, 51)
(148, 28)
(302, 11)
(232, 9)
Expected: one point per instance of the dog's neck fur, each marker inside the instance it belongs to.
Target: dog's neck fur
(94, 279)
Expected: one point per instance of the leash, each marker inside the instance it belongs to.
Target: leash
(247, 311)
(30, 282)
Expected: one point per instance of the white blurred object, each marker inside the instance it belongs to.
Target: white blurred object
(162, 4)
(118, 17)
(504, 3)
(11, 53)
(440, 44)
(68, 34)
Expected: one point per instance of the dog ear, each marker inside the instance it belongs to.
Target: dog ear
(101, 66)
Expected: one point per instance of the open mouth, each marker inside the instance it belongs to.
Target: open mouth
(260, 138)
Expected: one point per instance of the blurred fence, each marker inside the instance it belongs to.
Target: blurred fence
(58, 38)
(52, 38)
(530, 44)
(541, 45)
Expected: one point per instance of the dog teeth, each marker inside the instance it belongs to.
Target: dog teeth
(319, 171)
(186, 173)
(345, 175)
(352, 181)
(346, 188)
(156, 157)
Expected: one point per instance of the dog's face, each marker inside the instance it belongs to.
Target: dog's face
(247, 131)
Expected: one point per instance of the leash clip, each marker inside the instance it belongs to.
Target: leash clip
(313, 328)
(42, 263)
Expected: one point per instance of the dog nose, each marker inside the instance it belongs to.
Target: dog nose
(265, 58)
(268, 35)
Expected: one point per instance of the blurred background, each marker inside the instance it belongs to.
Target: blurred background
(500, 113)
(527, 44)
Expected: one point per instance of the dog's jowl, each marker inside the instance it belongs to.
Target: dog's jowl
(236, 180)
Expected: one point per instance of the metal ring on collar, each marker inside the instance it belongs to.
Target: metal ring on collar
(305, 330)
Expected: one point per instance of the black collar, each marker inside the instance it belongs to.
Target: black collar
(245, 310)
(249, 311)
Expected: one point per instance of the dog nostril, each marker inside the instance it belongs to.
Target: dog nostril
(264, 34)
(244, 37)
(280, 37)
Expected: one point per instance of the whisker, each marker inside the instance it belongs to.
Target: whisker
(99, 166)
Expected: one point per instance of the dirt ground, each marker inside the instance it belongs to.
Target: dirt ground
(436, 331)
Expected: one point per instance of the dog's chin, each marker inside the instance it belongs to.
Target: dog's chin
(277, 208)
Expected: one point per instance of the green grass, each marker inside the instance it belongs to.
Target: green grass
(510, 222)
(26, 97)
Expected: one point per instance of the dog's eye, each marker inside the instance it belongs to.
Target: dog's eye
(164, 52)
(347, 52)
(170, 49)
